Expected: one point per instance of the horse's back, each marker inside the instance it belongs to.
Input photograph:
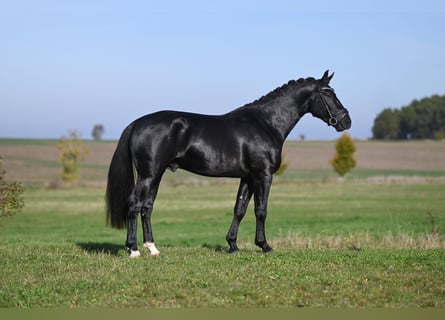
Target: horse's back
(177, 124)
(224, 145)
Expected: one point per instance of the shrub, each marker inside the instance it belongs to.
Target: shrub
(344, 160)
(72, 154)
(283, 165)
(11, 196)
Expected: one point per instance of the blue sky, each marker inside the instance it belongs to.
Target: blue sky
(68, 65)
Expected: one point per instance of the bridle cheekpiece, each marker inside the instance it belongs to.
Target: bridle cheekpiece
(333, 118)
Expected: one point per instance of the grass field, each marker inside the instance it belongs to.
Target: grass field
(375, 239)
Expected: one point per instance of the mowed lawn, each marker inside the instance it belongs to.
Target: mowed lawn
(374, 239)
(336, 244)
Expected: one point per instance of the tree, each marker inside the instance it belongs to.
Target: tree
(421, 119)
(344, 160)
(98, 131)
(11, 196)
(387, 125)
(72, 154)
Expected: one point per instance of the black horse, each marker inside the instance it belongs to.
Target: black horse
(245, 143)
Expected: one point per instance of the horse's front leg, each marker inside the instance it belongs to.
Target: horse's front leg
(261, 194)
(242, 201)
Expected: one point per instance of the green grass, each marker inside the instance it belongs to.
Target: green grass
(367, 248)
(26, 142)
(366, 173)
(71, 276)
(194, 215)
(325, 175)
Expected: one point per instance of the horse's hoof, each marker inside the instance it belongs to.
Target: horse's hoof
(267, 249)
(135, 254)
(153, 250)
(233, 248)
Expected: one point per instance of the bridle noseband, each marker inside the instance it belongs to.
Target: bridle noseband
(339, 115)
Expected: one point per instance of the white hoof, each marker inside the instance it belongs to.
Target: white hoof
(135, 254)
(151, 246)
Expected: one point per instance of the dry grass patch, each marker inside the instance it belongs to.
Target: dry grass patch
(360, 241)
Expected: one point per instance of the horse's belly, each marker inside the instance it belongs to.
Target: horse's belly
(209, 164)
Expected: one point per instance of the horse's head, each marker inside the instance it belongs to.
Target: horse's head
(324, 104)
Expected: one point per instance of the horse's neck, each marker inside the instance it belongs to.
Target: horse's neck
(284, 112)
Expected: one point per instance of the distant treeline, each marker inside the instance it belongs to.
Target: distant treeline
(422, 119)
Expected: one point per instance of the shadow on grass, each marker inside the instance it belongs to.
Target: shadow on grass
(101, 247)
(215, 247)
(225, 249)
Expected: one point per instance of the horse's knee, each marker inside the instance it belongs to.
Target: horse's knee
(147, 209)
(134, 210)
(261, 214)
(239, 214)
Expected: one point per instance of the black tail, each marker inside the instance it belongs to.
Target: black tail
(120, 182)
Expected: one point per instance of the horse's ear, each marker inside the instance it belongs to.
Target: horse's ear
(326, 77)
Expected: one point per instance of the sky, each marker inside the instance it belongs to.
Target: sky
(68, 65)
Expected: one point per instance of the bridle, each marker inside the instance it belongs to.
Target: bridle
(339, 115)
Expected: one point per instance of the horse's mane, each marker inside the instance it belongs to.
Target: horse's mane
(280, 91)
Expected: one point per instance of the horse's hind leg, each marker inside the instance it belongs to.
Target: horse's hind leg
(147, 209)
(141, 200)
(138, 203)
(131, 242)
